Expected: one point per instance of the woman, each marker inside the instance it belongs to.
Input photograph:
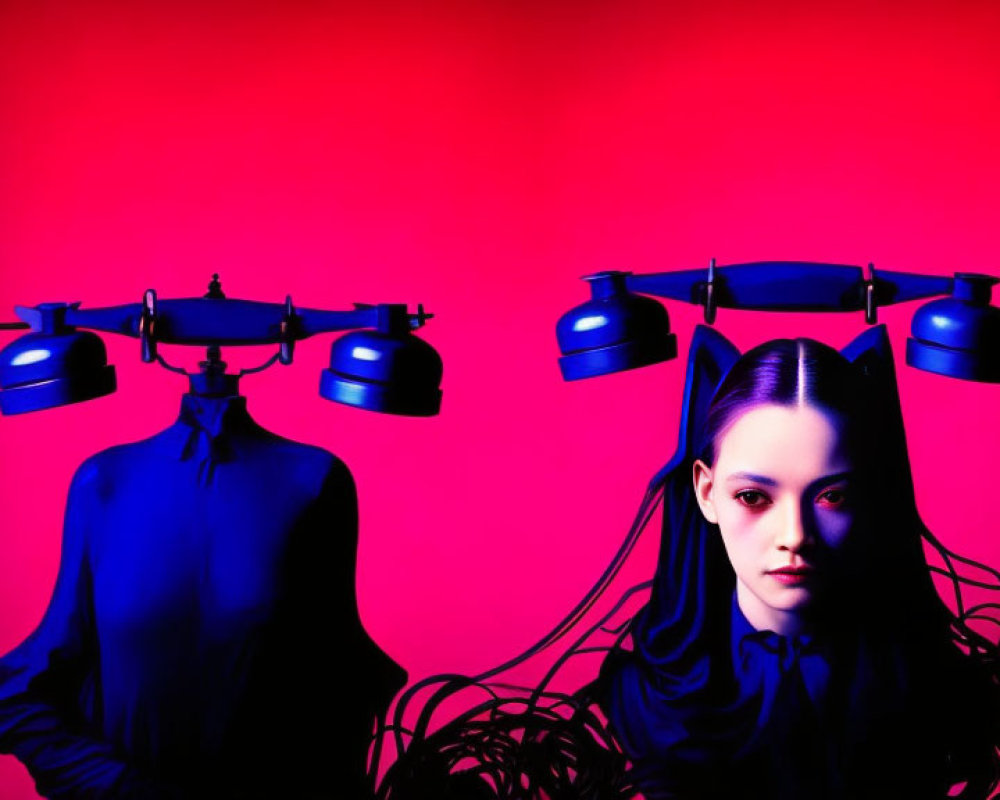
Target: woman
(794, 644)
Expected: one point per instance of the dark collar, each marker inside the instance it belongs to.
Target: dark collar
(212, 423)
(785, 647)
(213, 416)
(761, 659)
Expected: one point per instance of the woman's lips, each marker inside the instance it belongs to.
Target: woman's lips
(792, 576)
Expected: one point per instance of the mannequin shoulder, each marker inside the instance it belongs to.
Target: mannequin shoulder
(96, 475)
(305, 462)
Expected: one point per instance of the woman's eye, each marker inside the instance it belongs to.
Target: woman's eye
(751, 498)
(833, 498)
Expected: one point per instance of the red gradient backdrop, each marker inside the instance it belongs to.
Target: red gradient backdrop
(478, 158)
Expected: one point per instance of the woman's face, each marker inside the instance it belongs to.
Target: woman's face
(780, 492)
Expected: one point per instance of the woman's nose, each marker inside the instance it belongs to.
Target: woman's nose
(792, 530)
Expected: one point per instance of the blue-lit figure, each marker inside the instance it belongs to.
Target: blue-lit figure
(794, 645)
(203, 638)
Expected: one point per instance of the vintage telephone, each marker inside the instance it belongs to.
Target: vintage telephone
(619, 329)
(385, 369)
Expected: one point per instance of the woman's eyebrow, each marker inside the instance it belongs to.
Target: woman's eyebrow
(752, 476)
(834, 477)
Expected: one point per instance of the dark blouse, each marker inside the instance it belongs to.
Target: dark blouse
(786, 680)
(785, 718)
(761, 659)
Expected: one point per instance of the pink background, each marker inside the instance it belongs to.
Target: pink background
(478, 158)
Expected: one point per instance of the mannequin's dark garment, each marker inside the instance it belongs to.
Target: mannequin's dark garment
(203, 638)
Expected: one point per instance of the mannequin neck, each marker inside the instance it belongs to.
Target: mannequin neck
(214, 385)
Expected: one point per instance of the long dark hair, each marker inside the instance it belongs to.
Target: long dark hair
(917, 688)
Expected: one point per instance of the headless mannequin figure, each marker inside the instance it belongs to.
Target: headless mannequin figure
(203, 639)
